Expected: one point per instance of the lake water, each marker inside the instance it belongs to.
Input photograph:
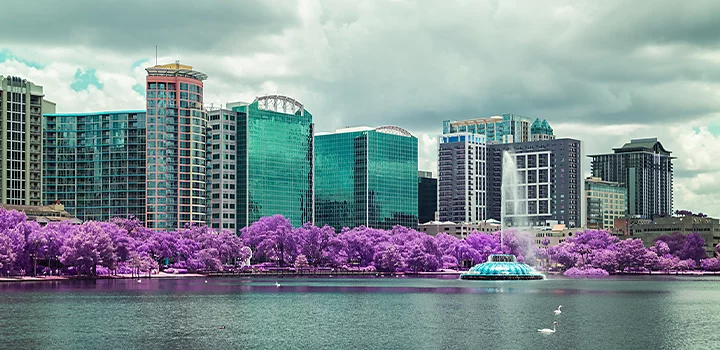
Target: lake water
(361, 313)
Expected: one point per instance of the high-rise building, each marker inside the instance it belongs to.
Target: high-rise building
(605, 203)
(550, 182)
(223, 170)
(21, 110)
(176, 147)
(427, 196)
(462, 179)
(507, 128)
(94, 163)
(541, 131)
(645, 167)
(366, 176)
(274, 163)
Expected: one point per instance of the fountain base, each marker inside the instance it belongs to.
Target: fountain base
(502, 267)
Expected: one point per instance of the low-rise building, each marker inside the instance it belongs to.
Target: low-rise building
(628, 226)
(459, 230)
(44, 214)
(708, 228)
(605, 203)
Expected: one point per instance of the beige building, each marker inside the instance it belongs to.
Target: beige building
(21, 146)
(44, 214)
(556, 234)
(606, 201)
(459, 230)
(708, 228)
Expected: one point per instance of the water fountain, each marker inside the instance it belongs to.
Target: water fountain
(505, 266)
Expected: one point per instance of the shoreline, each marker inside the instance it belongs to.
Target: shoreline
(16, 279)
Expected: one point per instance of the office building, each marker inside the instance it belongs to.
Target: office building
(605, 203)
(176, 147)
(707, 228)
(274, 163)
(21, 110)
(507, 128)
(541, 131)
(550, 182)
(94, 164)
(645, 167)
(427, 196)
(366, 176)
(223, 170)
(462, 178)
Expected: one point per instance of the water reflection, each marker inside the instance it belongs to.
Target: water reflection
(368, 313)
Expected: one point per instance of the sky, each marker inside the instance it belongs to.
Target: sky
(600, 71)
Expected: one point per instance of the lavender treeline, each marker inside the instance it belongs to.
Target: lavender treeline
(272, 239)
(125, 246)
(598, 252)
(120, 246)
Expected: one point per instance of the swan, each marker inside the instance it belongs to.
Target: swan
(557, 312)
(548, 330)
(277, 284)
(139, 281)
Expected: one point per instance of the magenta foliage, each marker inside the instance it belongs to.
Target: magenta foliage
(685, 247)
(590, 271)
(121, 245)
(711, 264)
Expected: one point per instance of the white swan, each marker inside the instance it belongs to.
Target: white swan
(557, 312)
(277, 284)
(139, 281)
(548, 330)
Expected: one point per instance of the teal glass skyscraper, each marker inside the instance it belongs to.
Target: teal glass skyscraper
(366, 176)
(95, 164)
(274, 138)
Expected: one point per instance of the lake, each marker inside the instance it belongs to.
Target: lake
(640, 312)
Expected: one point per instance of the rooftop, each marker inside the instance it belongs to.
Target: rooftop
(174, 70)
(387, 129)
(133, 111)
(43, 214)
(646, 145)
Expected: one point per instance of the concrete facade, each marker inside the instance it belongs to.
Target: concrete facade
(459, 230)
(223, 174)
(708, 228)
(550, 175)
(21, 143)
(462, 195)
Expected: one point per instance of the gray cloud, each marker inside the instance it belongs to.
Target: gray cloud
(133, 26)
(414, 64)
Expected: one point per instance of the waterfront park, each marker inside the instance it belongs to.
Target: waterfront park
(124, 247)
(104, 283)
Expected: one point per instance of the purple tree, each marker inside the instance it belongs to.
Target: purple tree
(271, 239)
(388, 259)
(693, 248)
(317, 244)
(630, 254)
(711, 264)
(88, 247)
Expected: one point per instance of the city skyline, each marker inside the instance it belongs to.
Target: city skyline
(587, 84)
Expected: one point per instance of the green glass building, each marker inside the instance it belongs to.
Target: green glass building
(366, 176)
(95, 164)
(274, 163)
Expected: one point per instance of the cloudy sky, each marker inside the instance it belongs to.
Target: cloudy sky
(600, 71)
